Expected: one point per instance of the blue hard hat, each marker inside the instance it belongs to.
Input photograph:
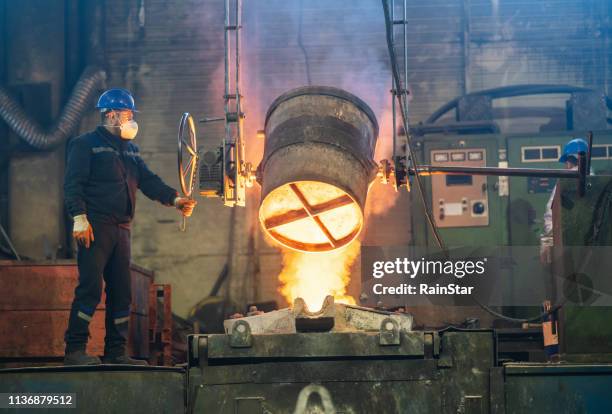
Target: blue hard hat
(116, 98)
(573, 148)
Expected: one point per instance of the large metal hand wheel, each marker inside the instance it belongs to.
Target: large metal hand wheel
(187, 157)
(187, 154)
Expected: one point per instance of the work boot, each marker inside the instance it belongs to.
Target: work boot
(122, 359)
(79, 357)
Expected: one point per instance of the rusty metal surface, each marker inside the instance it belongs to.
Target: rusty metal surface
(315, 345)
(359, 318)
(359, 375)
(357, 370)
(337, 317)
(556, 388)
(160, 324)
(50, 285)
(35, 306)
(279, 321)
(324, 91)
(465, 360)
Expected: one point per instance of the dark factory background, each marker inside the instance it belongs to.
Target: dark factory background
(170, 55)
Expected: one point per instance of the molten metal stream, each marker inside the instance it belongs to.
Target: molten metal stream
(313, 276)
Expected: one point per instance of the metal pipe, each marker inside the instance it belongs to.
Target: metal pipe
(405, 27)
(477, 127)
(229, 194)
(513, 172)
(393, 109)
(466, 46)
(238, 169)
(507, 92)
(227, 141)
(226, 80)
(582, 173)
(590, 151)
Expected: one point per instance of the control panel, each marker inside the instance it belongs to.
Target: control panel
(460, 200)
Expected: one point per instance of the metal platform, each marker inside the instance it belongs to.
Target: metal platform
(558, 388)
(102, 388)
(332, 372)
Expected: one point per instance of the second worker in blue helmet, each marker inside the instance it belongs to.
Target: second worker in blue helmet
(104, 170)
(569, 159)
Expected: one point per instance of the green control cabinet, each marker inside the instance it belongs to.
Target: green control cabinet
(495, 211)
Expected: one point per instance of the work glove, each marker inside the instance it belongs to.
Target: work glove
(185, 205)
(82, 231)
(546, 244)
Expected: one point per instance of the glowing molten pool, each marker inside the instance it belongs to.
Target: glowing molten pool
(311, 216)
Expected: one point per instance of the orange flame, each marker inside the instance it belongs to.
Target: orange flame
(312, 276)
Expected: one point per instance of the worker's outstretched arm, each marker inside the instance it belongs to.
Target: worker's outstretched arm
(153, 187)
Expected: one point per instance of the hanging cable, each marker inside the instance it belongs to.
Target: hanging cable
(300, 41)
(400, 93)
(523, 320)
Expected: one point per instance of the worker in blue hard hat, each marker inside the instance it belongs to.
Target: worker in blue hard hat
(570, 159)
(104, 170)
(571, 150)
(117, 108)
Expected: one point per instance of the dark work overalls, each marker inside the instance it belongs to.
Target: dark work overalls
(103, 173)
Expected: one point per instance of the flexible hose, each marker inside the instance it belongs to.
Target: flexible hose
(91, 81)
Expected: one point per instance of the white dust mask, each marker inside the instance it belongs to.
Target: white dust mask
(129, 129)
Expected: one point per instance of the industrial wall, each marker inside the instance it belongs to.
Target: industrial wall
(170, 55)
(31, 181)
